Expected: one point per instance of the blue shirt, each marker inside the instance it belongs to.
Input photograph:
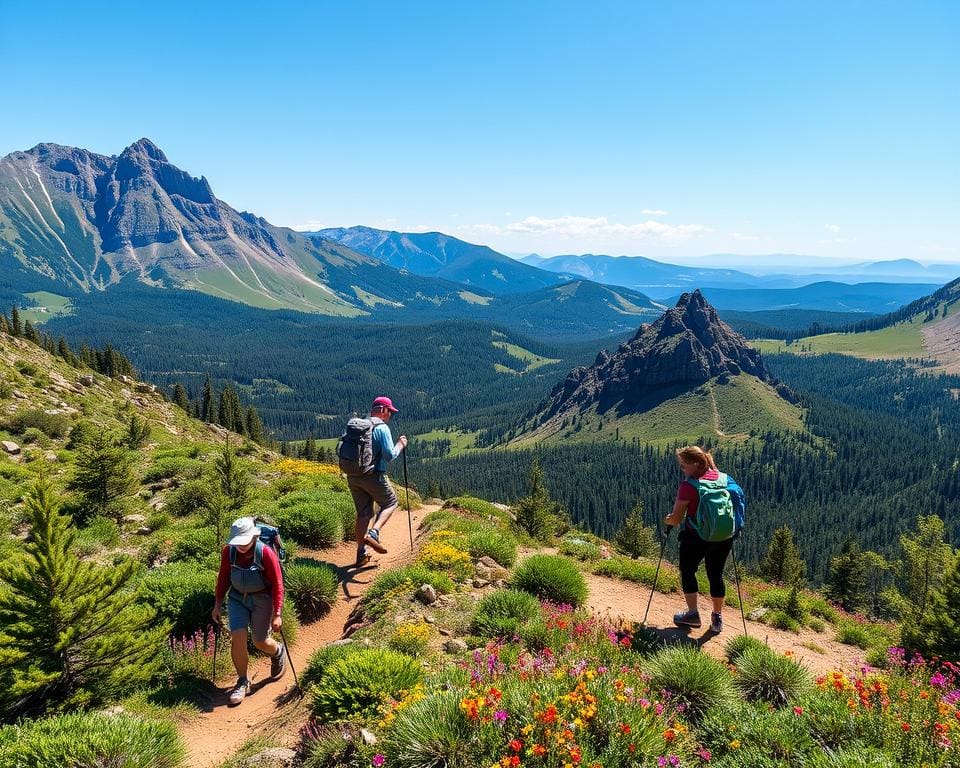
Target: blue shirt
(384, 451)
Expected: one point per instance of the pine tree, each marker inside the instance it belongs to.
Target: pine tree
(73, 633)
(232, 493)
(634, 538)
(180, 397)
(138, 432)
(794, 608)
(284, 448)
(4, 325)
(848, 577)
(537, 513)
(254, 425)
(30, 333)
(16, 327)
(103, 475)
(924, 560)
(783, 564)
(309, 450)
(939, 631)
(206, 404)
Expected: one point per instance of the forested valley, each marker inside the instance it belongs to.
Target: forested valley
(882, 448)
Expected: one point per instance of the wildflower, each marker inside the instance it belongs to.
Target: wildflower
(500, 716)
(735, 744)
(515, 745)
(539, 750)
(905, 727)
(798, 711)
(378, 760)
(625, 728)
(704, 754)
(669, 735)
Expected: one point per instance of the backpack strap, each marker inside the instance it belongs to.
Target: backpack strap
(258, 555)
(233, 556)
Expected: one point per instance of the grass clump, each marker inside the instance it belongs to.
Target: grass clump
(91, 740)
(55, 425)
(737, 646)
(692, 678)
(323, 658)
(551, 577)
(312, 586)
(312, 523)
(411, 638)
(359, 683)
(763, 675)
(639, 572)
(411, 576)
(479, 507)
(579, 549)
(489, 542)
(446, 558)
(504, 613)
(782, 620)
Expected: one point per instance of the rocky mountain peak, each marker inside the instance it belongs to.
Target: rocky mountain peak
(145, 148)
(688, 345)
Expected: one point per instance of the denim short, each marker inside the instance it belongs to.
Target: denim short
(254, 611)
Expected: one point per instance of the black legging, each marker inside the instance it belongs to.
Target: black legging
(693, 549)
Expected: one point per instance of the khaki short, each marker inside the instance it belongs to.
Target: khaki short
(254, 611)
(367, 489)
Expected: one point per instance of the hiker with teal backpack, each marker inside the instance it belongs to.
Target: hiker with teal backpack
(709, 509)
(251, 580)
(365, 451)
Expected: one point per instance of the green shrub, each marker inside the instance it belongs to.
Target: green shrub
(92, 740)
(168, 467)
(738, 645)
(433, 732)
(358, 684)
(189, 499)
(158, 519)
(323, 658)
(853, 757)
(551, 577)
(851, 633)
(639, 572)
(411, 639)
(489, 542)
(763, 675)
(34, 435)
(579, 549)
(341, 502)
(503, 613)
(314, 524)
(312, 586)
(817, 625)
(479, 507)
(411, 576)
(758, 736)
(81, 434)
(782, 620)
(691, 677)
(55, 425)
(197, 545)
(98, 532)
(181, 593)
(820, 608)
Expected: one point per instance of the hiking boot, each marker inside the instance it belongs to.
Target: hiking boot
(687, 618)
(278, 663)
(716, 623)
(362, 560)
(373, 539)
(239, 693)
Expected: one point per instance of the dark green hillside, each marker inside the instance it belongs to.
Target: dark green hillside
(883, 448)
(294, 366)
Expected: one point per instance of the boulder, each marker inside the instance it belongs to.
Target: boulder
(368, 738)
(125, 379)
(427, 594)
(454, 645)
(19, 395)
(10, 447)
(141, 386)
(85, 380)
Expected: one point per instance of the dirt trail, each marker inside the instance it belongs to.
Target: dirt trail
(271, 708)
(624, 599)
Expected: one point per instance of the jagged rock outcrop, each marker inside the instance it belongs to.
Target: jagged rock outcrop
(686, 347)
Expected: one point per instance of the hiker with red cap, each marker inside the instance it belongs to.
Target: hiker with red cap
(365, 451)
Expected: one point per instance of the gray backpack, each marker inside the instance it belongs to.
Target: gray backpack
(355, 449)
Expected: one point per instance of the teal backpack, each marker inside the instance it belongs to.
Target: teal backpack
(716, 519)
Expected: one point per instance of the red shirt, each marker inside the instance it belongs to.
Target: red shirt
(688, 493)
(272, 576)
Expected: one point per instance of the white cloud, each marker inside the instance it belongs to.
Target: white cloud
(577, 227)
(832, 228)
(654, 212)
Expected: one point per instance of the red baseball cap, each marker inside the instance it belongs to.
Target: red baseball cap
(384, 402)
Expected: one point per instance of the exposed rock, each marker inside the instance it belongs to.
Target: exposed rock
(10, 447)
(444, 631)
(480, 583)
(144, 530)
(218, 430)
(454, 645)
(125, 379)
(19, 395)
(427, 594)
(52, 411)
(429, 619)
(141, 386)
(368, 738)
(275, 757)
(758, 613)
(85, 379)
(134, 519)
(344, 641)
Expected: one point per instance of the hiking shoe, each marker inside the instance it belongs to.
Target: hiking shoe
(687, 618)
(373, 539)
(278, 663)
(239, 693)
(716, 623)
(362, 560)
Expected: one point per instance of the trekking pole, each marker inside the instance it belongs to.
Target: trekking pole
(216, 649)
(656, 575)
(406, 485)
(736, 575)
(286, 650)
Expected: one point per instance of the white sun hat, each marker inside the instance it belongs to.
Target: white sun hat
(243, 531)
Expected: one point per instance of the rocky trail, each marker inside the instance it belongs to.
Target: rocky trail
(273, 709)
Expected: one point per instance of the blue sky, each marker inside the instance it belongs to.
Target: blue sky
(668, 130)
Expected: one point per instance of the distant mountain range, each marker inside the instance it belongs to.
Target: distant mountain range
(877, 298)
(434, 254)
